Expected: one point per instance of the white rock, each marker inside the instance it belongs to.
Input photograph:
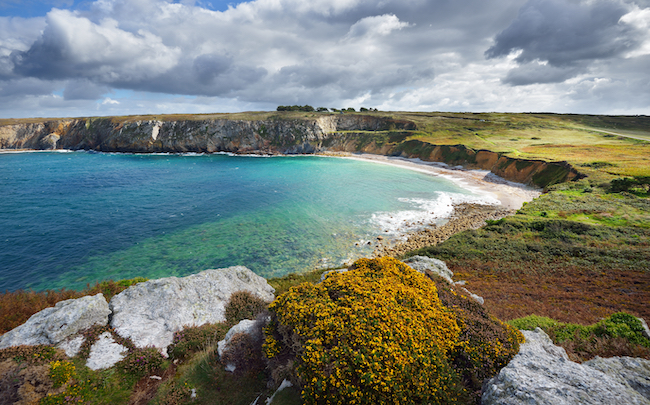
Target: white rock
(105, 352)
(630, 371)
(541, 373)
(285, 384)
(53, 325)
(422, 263)
(245, 326)
(475, 297)
(72, 346)
(150, 312)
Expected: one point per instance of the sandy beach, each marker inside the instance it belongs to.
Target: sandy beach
(510, 195)
(507, 196)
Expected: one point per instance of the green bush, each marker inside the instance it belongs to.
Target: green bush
(531, 322)
(141, 362)
(195, 338)
(244, 305)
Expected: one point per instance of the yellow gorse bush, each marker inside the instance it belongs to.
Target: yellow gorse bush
(61, 372)
(375, 334)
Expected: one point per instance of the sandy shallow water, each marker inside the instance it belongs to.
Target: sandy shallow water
(511, 195)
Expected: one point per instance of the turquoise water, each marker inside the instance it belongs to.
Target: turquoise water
(68, 219)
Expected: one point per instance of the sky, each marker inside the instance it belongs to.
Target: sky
(79, 58)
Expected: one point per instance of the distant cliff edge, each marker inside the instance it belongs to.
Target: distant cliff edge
(274, 135)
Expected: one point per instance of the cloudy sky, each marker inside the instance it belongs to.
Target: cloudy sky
(108, 57)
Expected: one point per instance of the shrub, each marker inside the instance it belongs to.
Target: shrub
(195, 338)
(141, 362)
(39, 354)
(485, 344)
(244, 352)
(620, 334)
(61, 372)
(375, 334)
(244, 305)
(531, 322)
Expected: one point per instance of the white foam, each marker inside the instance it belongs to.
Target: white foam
(399, 224)
(37, 151)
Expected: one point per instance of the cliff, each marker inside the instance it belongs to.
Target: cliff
(276, 134)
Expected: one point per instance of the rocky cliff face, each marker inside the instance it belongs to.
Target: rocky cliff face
(350, 133)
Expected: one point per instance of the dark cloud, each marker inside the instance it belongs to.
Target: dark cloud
(563, 33)
(531, 73)
(402, 54)
(27, 86)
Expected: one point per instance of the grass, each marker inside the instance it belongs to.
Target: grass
(566, 261)
(576, 254)
(620, 334)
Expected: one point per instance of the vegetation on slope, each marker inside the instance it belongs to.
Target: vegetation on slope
(379, 333)
(577, 254)
(620, 334)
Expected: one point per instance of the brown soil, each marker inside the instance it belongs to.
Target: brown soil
(147, 387)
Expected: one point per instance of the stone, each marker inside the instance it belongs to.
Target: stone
(105, 353)
(150, 312)
(646, 330)
(72, 346)
(541, 373)
(630, 371)
(285, 384)
(55, 324)
(245, 326)
(473, 296)
(423, 263)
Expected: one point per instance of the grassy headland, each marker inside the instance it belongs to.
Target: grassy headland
(577, 254)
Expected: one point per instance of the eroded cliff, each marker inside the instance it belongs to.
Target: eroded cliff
(274, 135)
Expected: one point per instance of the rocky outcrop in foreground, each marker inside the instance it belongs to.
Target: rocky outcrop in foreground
(53, 326)
(148, 313)
(543, 374)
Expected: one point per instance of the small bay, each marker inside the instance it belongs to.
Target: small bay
(68, 219)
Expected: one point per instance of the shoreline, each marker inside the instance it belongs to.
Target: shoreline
(511, 196)
(498, 198)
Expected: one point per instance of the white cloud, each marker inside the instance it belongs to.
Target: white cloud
(394, 54)
(640, 20)
(109, 100)
(380, 25)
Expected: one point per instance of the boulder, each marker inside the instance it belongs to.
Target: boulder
(423, 263)
(630, 371)
(245, 326)
(150, 312)
(541, 373)
(105, 352)
(55, 324)
(71, 346)
(473, 296)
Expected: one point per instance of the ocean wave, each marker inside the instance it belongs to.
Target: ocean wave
(398, 224)
(8, 151)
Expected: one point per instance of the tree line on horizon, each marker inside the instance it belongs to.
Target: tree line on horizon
(308, 108)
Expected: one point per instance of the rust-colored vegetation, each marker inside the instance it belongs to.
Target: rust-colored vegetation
(16, 307)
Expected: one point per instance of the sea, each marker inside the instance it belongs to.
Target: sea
(70, 219)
